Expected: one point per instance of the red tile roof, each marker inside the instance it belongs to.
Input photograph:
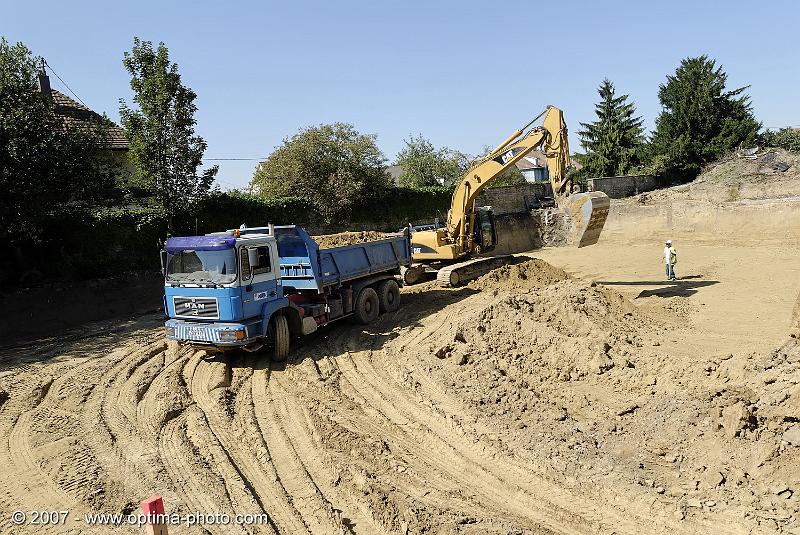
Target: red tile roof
(77, 115)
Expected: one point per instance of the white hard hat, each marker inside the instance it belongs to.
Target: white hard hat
(669, 242)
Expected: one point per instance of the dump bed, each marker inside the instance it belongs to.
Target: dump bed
(305, 266)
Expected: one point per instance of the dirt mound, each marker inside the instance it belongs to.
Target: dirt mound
(326, 241)
(529, 275)
(554, 331)
(566, 369)
(768, 174)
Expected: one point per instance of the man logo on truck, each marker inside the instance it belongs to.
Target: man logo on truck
(195, 307)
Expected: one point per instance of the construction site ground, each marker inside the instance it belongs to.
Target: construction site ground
(575, 391)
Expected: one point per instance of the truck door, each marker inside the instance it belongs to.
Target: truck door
(259, 281)
(486, 235)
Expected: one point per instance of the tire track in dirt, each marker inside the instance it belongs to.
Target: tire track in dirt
(425, 444)
(317, 512)
(135, 458)
(431, 489)
(386, 394)
(24, 462)
(194, 488)
(300, 432)
(270, 491)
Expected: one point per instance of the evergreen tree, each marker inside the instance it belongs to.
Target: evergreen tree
(613, 143)
(700, 120)
(163, 145)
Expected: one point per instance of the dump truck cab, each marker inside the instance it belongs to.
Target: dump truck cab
(220, 288)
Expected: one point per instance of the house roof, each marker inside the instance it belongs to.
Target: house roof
(77, 115)
(532, 160)
(394, 173)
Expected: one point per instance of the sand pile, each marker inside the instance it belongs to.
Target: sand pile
(525, 276)
(574, 373)
(327, 241)
(539, 329)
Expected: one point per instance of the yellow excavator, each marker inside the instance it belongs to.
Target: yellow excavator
(452, 250)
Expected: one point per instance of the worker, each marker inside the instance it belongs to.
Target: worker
(670, 259)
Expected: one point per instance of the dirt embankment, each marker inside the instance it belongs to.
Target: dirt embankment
(771, 174)
(49, 310)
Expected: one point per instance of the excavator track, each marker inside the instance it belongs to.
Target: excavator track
(463, 272)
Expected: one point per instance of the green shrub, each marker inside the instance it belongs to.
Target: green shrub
(784, 138)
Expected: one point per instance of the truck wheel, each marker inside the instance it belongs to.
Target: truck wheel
(366, 308)
(389, 295)
(280, 332)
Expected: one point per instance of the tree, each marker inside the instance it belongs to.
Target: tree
(333, 166)
(700, 120)
(46, 166)
(164, 148)
(784, 138)
(423, 165)
(613, 143)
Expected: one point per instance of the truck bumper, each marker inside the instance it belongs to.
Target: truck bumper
(214, 334)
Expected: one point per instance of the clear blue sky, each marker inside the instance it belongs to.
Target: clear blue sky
(464, 74)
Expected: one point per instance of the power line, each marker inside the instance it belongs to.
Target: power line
(44, 62)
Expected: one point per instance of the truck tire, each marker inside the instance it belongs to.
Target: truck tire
(367, 307)
(389, 295)
(280, 338)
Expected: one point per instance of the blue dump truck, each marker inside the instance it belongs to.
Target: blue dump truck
(254, 287)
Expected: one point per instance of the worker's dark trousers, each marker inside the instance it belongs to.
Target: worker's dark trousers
(670, 271)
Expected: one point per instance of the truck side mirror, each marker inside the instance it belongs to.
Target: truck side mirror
(164, 263)
(252, 257)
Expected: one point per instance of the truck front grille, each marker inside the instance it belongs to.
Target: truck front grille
(196, 333)
(196, 307)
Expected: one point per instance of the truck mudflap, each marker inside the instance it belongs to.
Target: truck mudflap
(214, 334)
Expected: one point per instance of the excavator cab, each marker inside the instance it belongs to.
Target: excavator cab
(485, 235)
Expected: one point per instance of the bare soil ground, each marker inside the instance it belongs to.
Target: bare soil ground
(575, 391)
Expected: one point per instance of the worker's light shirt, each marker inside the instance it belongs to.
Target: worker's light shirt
(668, 252)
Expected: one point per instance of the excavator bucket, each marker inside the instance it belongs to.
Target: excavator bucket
(588, 213)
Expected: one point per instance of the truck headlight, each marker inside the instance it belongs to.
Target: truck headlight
(169, 331)
(230, 335)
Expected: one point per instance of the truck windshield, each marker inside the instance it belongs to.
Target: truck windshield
(216, 267)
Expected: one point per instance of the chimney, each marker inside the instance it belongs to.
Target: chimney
(44, 82)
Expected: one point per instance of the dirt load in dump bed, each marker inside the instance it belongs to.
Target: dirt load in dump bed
(327, 241)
